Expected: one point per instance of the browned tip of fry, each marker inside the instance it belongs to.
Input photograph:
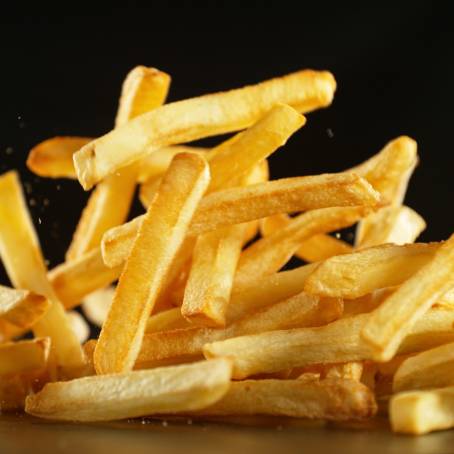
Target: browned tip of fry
(85, 165)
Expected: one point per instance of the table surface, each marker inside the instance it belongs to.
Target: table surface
(24, 434)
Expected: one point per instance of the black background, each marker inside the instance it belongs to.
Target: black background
(61, 74)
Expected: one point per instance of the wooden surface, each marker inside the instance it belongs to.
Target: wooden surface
(23, 434)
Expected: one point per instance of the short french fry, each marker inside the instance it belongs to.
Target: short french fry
(421, 412)
(72, 281)
(329, 399)
(53, 158)
(96, 305)
(160, 236)
(270, 254)
(432, 368)
(169, 319)
(24, 356)
(314, 249)
(140, 393)
(108, 206)
(79, 326)
(196, 118)
(24, 263)
(243, 204)
(363, 271)
(394, 318)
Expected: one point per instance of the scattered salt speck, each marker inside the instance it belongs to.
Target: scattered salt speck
(279, 428)
(32, 202)
(28, 187)
(9, 150)
(337, 235)
(330, 133)
(58, 187)
(165, 423)
(21, 124)
(19, 117)
(143, 421)
(189, 422)
(39, 221)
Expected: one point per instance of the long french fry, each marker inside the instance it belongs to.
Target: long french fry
(363, 271)
(314, 249)
(393, 319)
(160, 236)
(143, 89)
(268, 255)
(24, 356)
(243, 204)
(421, 412)
(329, 399)
(24, 263)
(140, 393)
(195, 118)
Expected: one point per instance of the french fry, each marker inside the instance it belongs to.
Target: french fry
(96, 305)
(160, 236)
(53, 158)
(72, 281)
(314, 249)
(421, 412)
(196, 118)
(169, 319)
(366, 303)
(330, 399)
(393, 319)
(347, 371)
(79, 326)
(363, 271)
(24, 356)
(243, 204)
(24, 263)
(14, 389)
(143, 89)
(140, 393)
(429, 369)
(268, 255)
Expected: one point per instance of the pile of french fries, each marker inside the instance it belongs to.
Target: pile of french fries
(197, 316)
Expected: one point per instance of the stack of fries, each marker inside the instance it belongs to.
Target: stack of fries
(203, 321)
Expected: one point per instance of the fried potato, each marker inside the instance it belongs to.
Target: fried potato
(352, 370)
(140, 393)
(53, 158)
(196, 118)
(15, 388)
(330, 399)
(169, 319)
(24, 356)
(363, 271)
(160, 236)
(421, 412)
(394, 318)
(314, 249)
(21, 254)
(96, 305)
(79, 326)
(243, 204)
(72, 281)
(270, 254)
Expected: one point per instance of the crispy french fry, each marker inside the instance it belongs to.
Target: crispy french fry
(166, 320)
(143, 89)
(314, 249)
(160, 236)
(421, 412)
(429, 369)
(73, 281)
(195, 118)
(330, 399)
(140, 393)
(79, 326)
(366, 303)
(361, 272)
(268, 255)
(96, 305)
(53, 158)
(24, 263)
(243, 204)
(24, 356)
(352, 370)
(394, 318)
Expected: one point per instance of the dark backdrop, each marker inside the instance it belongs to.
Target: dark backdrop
(61, 74)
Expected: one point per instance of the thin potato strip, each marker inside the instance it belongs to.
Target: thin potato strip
(160, 236)
(196, 118)
(329, 399)
(169, 319)
(24, 356)
(393, 319)
(140, 393)
(21, 254)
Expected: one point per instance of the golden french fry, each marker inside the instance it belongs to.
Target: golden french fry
(243, 204)
(314, 249)
(363, 271)
(72, 281)
(169, 319)
(196, 118)
(347, 371)
(24, 356)
(393, 319)
(268, 255)
(429, 369)
(140, 393)
(421, 412)
(160, 236)
(24, 263)
(53, 158)
(447, 299)
(366, 303)
(79, 326)
(329, 399)
(96, 305)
